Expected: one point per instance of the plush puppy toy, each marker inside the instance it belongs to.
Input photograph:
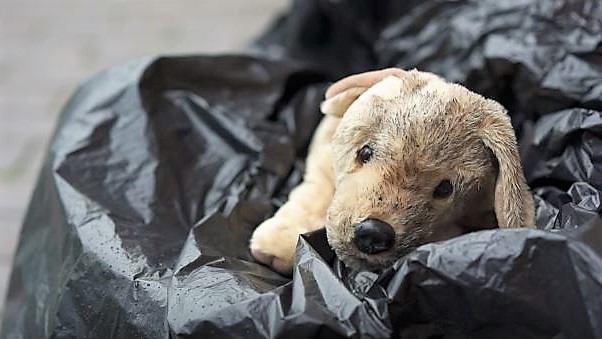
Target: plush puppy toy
(401, 158)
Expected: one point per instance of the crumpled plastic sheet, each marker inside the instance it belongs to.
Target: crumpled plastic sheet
(160, 169)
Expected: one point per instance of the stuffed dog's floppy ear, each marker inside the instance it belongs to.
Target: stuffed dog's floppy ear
(344, 92)
(513, 204)
(338, 104)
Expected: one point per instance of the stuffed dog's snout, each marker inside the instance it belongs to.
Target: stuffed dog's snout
(373, 236)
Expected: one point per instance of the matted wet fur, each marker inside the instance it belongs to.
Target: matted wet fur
(421, 130)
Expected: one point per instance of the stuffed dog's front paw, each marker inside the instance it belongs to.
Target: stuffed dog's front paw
(273, 243)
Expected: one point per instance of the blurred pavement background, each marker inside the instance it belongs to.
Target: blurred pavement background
(47, 48)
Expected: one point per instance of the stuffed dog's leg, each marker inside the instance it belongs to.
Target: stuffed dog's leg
(274, 241)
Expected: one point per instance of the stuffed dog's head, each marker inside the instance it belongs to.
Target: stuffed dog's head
(418, 159)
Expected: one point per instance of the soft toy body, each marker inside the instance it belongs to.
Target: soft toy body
(401, 158)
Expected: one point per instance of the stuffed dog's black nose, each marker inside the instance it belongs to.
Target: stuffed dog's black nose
(373, 236)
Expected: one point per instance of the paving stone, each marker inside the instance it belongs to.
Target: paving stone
(4, 278)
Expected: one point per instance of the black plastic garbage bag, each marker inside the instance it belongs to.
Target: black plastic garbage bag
(535, 57)
(160, 170)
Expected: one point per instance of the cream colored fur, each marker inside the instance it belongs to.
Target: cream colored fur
(423, 130)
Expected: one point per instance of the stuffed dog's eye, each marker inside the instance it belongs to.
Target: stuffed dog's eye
(364, 154)
(443, 190)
